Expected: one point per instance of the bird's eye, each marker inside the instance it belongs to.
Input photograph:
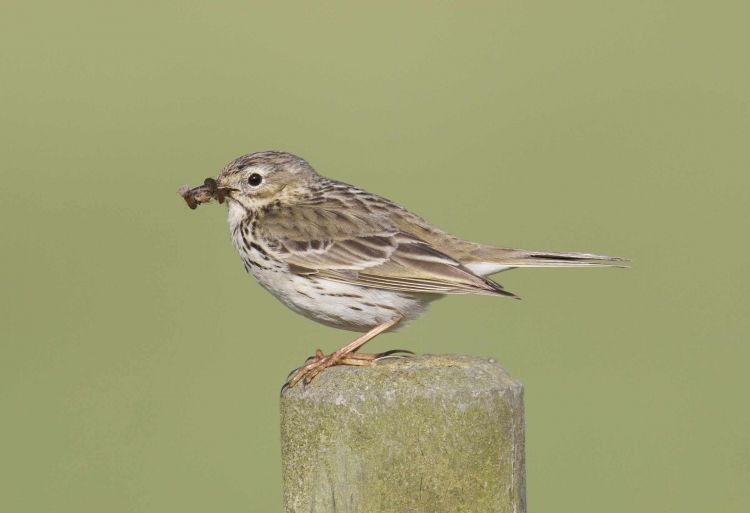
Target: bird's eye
(255, 179)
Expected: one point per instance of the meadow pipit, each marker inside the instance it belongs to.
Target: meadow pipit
(348, 258)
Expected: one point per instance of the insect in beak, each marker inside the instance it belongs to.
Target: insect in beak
(204, 193)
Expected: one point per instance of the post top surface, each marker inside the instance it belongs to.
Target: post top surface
(419, 376)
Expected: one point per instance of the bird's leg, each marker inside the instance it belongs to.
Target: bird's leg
(343, 356)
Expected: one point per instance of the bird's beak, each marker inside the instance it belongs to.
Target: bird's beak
(204, 193)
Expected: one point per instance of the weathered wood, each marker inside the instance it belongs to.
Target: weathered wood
(422, 434)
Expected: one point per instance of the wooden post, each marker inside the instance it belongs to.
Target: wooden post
(425, 434)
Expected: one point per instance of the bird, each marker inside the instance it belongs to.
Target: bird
(348, 258)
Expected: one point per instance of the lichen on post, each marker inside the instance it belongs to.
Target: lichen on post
(420, 434)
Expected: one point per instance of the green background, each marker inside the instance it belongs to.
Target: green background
(141, 366)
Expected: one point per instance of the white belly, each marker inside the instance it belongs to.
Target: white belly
(341, 305)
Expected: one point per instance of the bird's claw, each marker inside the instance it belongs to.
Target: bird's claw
(394, 353)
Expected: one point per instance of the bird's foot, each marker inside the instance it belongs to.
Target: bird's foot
(318, 363)
(315, 364)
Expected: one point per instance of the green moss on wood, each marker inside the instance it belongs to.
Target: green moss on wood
(423, 434)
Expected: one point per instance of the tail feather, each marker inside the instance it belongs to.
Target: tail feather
(491, 260)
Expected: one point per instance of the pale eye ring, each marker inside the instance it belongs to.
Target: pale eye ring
(255, 179)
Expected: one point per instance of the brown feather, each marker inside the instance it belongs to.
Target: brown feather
(382, 255)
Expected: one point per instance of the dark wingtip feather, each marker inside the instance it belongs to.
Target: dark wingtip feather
(500, 290)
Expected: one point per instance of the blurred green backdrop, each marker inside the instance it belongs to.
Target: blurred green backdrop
(140, 366)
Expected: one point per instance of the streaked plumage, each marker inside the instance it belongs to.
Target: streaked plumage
(348, 258)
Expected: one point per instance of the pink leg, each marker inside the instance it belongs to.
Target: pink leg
(343, 356)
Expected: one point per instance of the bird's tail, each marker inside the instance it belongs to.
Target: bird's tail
(489, 260)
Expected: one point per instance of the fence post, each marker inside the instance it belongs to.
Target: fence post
(425, 434)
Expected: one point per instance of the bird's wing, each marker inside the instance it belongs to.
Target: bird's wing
(348, 246)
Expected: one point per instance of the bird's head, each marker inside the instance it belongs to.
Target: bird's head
(253, 181)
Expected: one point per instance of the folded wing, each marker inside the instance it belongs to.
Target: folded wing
(339, 245)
